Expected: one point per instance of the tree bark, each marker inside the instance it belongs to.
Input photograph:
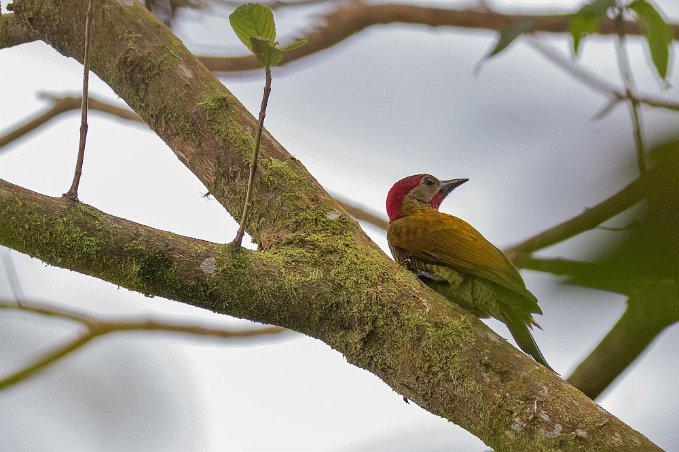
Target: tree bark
(317, 272)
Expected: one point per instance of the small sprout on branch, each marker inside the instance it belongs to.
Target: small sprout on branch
(255, 27)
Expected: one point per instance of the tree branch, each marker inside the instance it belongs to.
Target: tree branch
(652, 309)
(62, 105)
(345, 21)
(98, 327)
(587, 220)
(360, 303)
(318, 273)
(595, 82)
(557, 266)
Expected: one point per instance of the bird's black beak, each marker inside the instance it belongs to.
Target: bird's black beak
(449, 185)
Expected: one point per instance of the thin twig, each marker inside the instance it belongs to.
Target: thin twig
(628, 80)
(98, 327)
(46, 360)
(63, 105)
(595, 82)
(72, 192)
(253, 166)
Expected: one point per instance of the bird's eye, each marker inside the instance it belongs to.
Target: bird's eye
(428, 181)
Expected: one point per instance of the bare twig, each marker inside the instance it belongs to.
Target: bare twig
(253, 166)
(595, 82)
(95, 328)
(630, 91)
(62, 105)
(72, 192)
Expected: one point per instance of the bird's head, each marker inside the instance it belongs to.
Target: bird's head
(415, 192)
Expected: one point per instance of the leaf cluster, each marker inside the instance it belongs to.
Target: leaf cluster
(657, 32)
(587, 19)
(255, 27)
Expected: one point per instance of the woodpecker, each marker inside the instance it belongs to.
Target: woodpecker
(454, 259)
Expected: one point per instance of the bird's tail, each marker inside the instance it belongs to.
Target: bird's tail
(523, 337)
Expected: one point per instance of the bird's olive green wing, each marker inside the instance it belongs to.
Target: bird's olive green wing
(444, 239)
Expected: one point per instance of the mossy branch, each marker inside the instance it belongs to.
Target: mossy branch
(319, 273)
(347, 294)
(14, 32)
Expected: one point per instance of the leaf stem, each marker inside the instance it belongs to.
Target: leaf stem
(253, 166)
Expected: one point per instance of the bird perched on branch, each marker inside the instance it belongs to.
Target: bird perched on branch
(454, 259)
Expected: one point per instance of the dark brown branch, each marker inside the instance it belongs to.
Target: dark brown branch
(652, 309)
(96, 327)
(342, 23)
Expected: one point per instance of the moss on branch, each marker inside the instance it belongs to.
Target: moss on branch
(328, 285)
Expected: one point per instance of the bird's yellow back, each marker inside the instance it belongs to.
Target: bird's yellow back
(440, 238)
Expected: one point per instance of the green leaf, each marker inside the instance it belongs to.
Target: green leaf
(266, 51)
(253, 20)
(509, 34)
(658, 34)
(586, 20)
(294, 45)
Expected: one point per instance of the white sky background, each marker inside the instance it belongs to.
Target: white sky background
(389, 102)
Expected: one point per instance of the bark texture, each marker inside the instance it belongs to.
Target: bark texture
(317, 272)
